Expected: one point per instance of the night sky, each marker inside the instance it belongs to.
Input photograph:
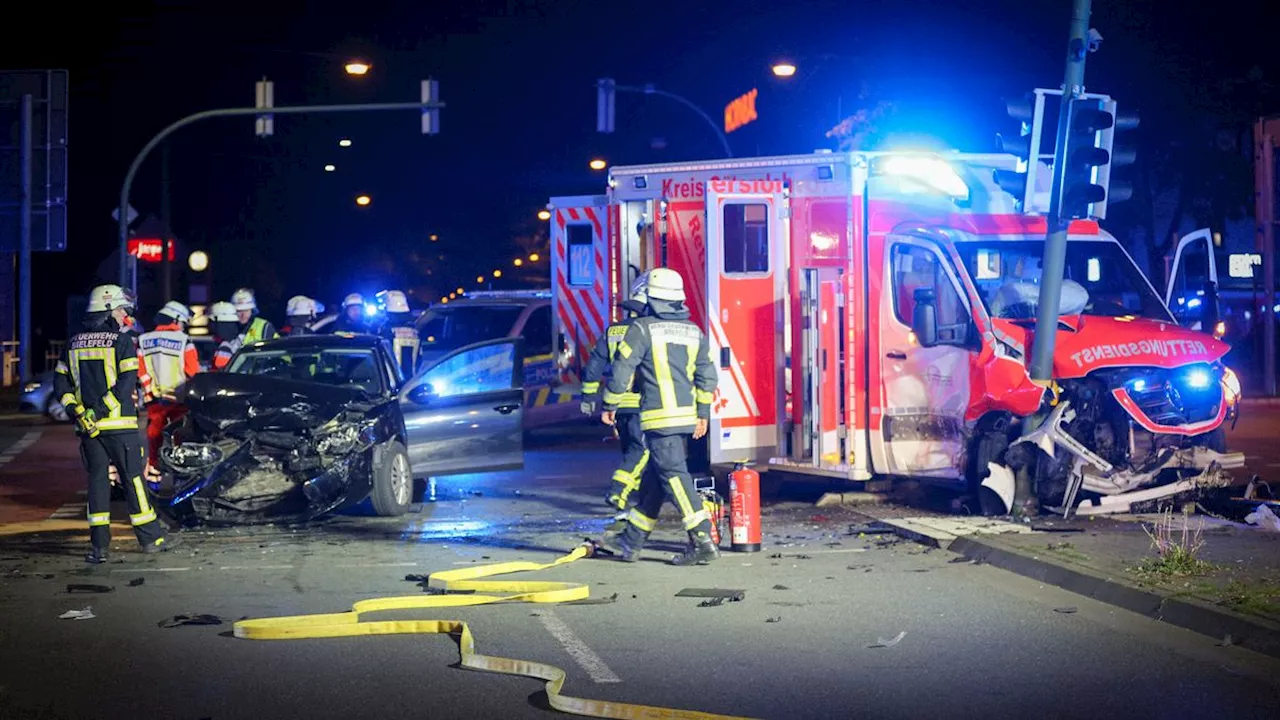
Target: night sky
(518, 78)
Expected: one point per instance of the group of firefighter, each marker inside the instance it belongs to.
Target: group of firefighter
(651, 377)
(108, 370)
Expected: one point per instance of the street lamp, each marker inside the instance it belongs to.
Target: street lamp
(480, 278)
(198, 261)
(460, 291)
(497, 273)
(783, 69)
(533, 257)
(357, 67)
(330, 168)
(344, 142)
(444, 300)
(363, 200)
(544, 214)
(517, 262)
(435, 238)
(597, 164)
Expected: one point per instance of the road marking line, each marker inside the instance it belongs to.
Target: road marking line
(583, 655)
(138, 570)
(363, 565)
(20, 445)
(256, 567)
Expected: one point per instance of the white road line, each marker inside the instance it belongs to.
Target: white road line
(70, 511)
(20, 445)
(256, 567)
(364, 565)
(138, 570)
(583, 655)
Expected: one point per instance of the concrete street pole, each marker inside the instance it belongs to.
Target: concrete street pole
(26, 150)
(1055, 246)
(229, 112)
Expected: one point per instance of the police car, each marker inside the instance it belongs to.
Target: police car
(490, 315)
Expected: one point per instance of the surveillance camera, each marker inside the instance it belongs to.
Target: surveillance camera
(1095, 39)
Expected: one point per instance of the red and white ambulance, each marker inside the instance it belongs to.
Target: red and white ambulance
(871, 316)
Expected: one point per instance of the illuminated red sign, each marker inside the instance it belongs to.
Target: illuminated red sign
(740, 111)
(148, 249)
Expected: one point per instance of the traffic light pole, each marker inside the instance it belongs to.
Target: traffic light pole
(1055, 246)
(125, 279)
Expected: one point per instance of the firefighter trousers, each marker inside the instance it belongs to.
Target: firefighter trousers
(159, 414)
(635, 457)
(124, 450)
(667, 478)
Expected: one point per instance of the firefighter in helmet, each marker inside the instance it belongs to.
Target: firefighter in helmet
(668, 358)
(96, 381)
(398, 328)
(301, 311)
(352, 318)
(253, 328)
(626, 478)
(224, 325)
(169, 359)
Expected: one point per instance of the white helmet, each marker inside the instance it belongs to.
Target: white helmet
(666, 284)
(395, 301)
(109, 297)
(640, 289)
(177, 311)
(302, 306)
(222, 312)
(243, 299)
(352, 299)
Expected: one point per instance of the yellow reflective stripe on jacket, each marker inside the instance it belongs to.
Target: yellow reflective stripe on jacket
(703, 397)
(590, 388)
(118, 423)
(129, 365)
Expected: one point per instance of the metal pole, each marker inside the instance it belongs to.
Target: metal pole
(1267, 224)
(1055, 245)
(24, 242)
(123, 228)
(166, 268)
(651, 90)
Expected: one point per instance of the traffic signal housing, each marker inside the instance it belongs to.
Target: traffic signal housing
(1088, 157)
(1014, 182)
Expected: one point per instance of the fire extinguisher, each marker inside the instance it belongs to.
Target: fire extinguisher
(712, 503)
(744, 503)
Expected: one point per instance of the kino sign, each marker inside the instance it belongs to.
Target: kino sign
(740, 111)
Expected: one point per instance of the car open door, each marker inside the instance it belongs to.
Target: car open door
(464, 412)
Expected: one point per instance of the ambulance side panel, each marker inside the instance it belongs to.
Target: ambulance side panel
(579, 276)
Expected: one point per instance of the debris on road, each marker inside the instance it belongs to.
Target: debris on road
(781, 587)
(1226, 641)
(882, 643)
(89, 588)
(1264, 518)
(594, 601)
(777, 619)
(190, 619)
(1069, 610)
(731, 595)
(863, 568)
(137, 581)
(85, 614)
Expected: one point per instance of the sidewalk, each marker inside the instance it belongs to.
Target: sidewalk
(1234, 599)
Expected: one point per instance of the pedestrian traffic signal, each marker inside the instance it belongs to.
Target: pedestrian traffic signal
(1086, 159)
(1014, 182)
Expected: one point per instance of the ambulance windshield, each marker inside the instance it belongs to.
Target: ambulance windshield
(1099, 279)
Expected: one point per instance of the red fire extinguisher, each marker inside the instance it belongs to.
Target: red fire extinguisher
(744, 514)
(712, 503)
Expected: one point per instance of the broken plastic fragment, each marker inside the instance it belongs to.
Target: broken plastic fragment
(882, 643)
(85, 614)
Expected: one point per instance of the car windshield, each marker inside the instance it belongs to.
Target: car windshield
(451, 327)
(1099, 279)
(355, 368)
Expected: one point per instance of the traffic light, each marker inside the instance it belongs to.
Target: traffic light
(605, 91)
(1122, 155)
(1088, 155)
(1014, 182)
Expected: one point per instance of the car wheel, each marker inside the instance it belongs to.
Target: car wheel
(392, 482)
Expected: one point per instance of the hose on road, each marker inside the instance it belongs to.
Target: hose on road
(352, 624)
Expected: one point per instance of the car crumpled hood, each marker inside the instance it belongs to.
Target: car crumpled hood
(1091, 342)
(254, 402)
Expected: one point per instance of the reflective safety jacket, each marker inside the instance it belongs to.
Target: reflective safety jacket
(405, 346)
(669, 359)
(99, 372)
(259, 329)
(600, 362)
(169, 359)
(225, 350)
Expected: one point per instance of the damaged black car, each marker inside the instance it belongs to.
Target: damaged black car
(301, 427)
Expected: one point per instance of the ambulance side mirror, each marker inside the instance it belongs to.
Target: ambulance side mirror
(924, 317)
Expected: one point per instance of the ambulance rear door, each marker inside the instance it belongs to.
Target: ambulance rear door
(579, 258)
(747, 227)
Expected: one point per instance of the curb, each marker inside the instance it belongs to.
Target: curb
(1252, 634)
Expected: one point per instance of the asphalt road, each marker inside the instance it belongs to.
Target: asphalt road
(978, 641)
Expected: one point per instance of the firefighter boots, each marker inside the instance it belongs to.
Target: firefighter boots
(700, 551)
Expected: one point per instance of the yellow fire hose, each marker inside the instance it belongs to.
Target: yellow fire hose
(349, 624)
